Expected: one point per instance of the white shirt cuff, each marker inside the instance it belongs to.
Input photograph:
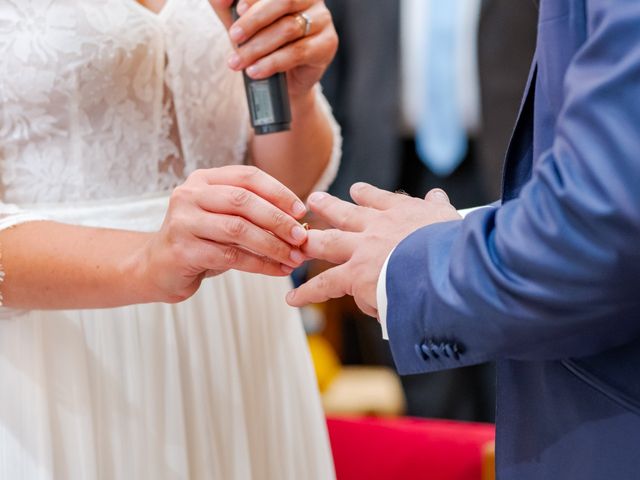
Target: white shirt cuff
(381, 297)
(466, 211)
(381, 289)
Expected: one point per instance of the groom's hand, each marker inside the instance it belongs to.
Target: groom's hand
(364, 236)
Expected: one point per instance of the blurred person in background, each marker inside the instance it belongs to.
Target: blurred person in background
(362, 85)
(377, 84)
(506, 42)
(439, 98)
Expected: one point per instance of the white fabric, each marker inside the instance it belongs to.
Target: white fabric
(381, 297)
(104, 107)
(381, 287)
(413, 34)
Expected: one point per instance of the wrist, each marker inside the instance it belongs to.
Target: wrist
(136, 272)
(302, 104)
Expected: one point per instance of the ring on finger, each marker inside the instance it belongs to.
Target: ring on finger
(305, 23)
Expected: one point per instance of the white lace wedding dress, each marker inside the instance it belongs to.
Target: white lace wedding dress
(104, 107)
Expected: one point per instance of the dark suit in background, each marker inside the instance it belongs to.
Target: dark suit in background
(362, 85)
(507, 40)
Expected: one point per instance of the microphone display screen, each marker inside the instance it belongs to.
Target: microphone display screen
(261, 102)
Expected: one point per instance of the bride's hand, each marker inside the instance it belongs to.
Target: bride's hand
(271, 38)
(234, 217)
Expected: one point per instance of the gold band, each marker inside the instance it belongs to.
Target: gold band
(305, 23)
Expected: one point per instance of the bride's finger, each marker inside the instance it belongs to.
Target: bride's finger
(284, 31)
(220, 258)
(262, 14)
(225, 199)
(236, 231)
(244, 5)
(316, 51)
(258, 182)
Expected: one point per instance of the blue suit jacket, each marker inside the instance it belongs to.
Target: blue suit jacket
(548, 283)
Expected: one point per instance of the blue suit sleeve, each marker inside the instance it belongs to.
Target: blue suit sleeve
(554, 273)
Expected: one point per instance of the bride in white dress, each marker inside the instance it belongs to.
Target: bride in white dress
(131, 344)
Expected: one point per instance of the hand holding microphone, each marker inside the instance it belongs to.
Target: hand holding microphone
(295, 37)
(268, 98)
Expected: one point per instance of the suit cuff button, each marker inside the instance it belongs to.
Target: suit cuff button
(426, 351)
(457, 350)
(421, 353)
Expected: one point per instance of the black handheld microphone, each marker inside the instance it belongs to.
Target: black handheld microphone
(268, 99)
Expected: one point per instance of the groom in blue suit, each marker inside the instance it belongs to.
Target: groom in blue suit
(547, 282)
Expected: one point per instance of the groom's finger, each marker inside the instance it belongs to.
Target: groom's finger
(366, 308)
(437, 195)
(332, 245)
(332, 283)
(369, 196)
(338, 213)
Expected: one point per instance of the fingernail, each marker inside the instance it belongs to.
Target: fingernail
(317, 197)
(236, 33)
(286, 269)
(234, 61)
(299, 208)
(439, 196)
(298, 233)
(291, 295)
(253, 70)
(242, 7)
(296, 256)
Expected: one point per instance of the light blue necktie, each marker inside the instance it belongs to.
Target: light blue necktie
(441, 140)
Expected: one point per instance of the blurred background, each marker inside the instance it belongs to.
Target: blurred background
(427, 93)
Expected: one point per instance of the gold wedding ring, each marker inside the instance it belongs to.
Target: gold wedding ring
(305, 23)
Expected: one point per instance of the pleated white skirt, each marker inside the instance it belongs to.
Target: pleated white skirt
(218, 387)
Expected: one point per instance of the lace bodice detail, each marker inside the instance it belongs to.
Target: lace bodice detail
(103, 99)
